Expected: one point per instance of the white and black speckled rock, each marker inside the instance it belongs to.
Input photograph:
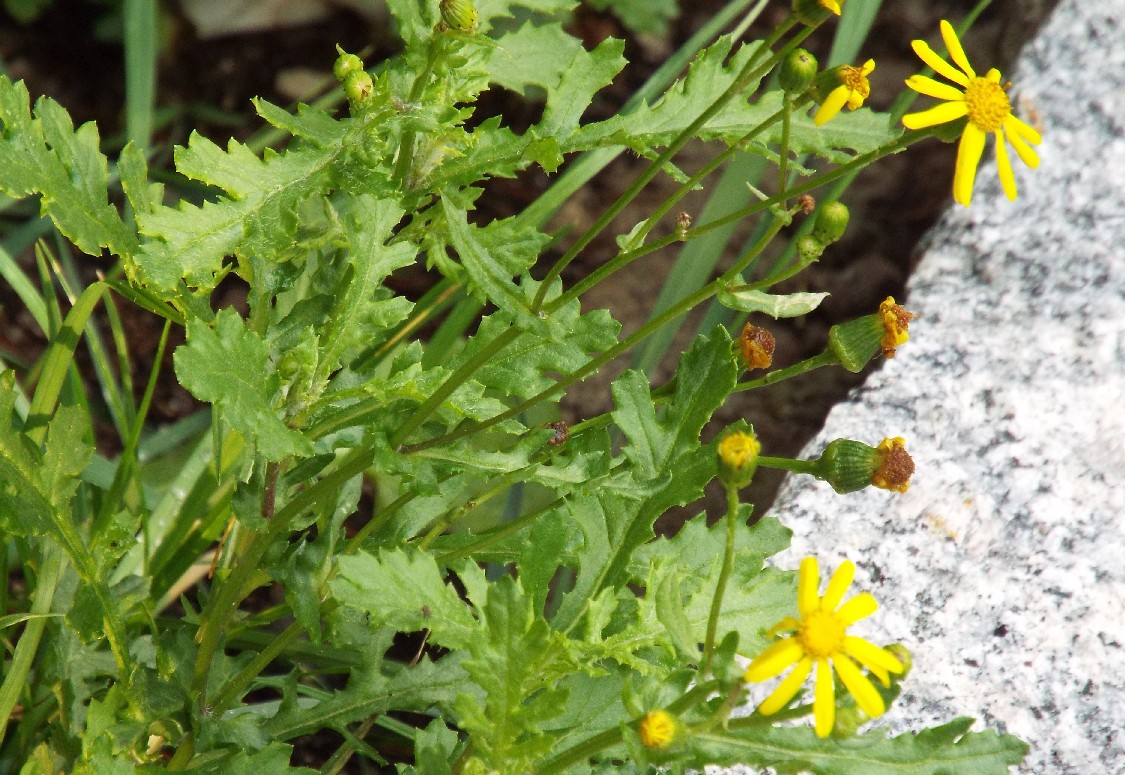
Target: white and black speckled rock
(1003, 567)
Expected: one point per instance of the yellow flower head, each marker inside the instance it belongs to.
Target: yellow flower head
(852, 91)
(985, 103)
(832, 5)
(820, 637)
(895, 466)
(738, 457)
(657, 729)
(896, 326)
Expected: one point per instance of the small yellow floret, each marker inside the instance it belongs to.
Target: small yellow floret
(896, 326)
(657, 729)
(738, 450)
(832, 5)
(854, 88)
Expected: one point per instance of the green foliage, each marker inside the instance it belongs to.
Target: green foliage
(371, 524)
(948, 748)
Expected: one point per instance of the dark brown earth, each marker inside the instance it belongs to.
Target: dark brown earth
(73, 54)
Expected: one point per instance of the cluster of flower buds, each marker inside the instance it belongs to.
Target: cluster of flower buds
(358, 86)
(831, 223)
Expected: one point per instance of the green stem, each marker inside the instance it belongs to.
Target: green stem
(621, 260)
(496, 534)
(235, 686)
(231, 592)
(783, 151)
(777, 375)
(685, 304)
(894, 146)
(405, 164)
(721, 584)
(343, 754)
(750, 72)
(16, 677)
(789, 464)
(588, 164)
(611, 737)
(454, 381)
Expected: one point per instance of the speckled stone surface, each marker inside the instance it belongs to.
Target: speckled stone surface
(1003, 567)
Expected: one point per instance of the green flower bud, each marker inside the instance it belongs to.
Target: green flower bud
(289, 365)
(831, 222)
(459, 15)
(797, 71)
(849, 719)
(849, 465)
(358, 88)
(904, 656)
(738, 451)
(809, 248)
(855, 342)
(345, 64)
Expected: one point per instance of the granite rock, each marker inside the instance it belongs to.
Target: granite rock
(1003, 567)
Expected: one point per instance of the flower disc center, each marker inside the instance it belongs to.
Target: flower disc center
(988, 104)
(822, 634)
(856, 80)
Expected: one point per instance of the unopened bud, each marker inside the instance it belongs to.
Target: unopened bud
(358, 88)
(683, 223)
(902, 653)
(460, 15)
(797, 71)
(345, 64)
(809, 249)
(831, 222)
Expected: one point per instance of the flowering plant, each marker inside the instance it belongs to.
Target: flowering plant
(384, 535)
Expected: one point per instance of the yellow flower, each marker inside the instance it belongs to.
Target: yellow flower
(832, 5)
(986, 104)
(738, 457)
(657, 729)
(821, 638)
(852, 91)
